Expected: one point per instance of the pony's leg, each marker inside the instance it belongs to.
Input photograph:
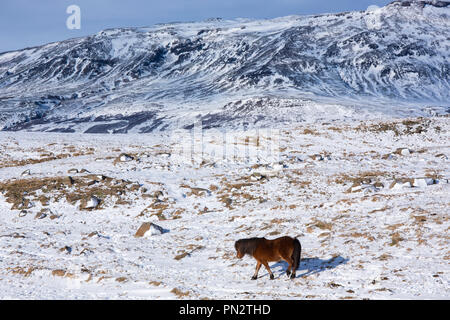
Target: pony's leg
(255, 275)
(288, 271)
(268, 270)
(294, 269)
(292, 275)
(290, 264)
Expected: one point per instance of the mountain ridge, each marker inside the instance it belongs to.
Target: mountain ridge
(170, 75)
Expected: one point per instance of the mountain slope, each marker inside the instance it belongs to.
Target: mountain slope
(240, 72)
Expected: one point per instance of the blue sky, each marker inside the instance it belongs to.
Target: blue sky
(25, 23)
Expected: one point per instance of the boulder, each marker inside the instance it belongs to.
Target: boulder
(278, 166)
(125, 157)
(68, 180)
(442, 156)
(423, 182)
(365, 187)
(149, 229)
(405, 152)
(40, 215)
(92, 203)
(389, 156)
(256, 176)
(158, 195)
(26, 172)
(398, 185)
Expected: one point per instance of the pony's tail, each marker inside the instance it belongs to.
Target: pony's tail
(296, 254)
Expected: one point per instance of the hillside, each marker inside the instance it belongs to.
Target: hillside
(392, 60)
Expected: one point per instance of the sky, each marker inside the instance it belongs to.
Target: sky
(27, 23)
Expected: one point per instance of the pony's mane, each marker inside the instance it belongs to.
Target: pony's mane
(247, 246)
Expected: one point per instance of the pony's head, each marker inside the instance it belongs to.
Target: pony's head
(239, 250)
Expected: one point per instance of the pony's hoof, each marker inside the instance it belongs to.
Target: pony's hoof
(254, 278)
(288, 273)
(272, 277)
(292, 276)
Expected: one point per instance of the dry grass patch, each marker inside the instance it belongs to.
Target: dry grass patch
(199, 192)
(59, 273)
(24, 271)
(122, 279)
(24, 162)
(81, 188)
(311, 132)
(398, 127)
(302, 184)
(320, 224)
(190, 249)
(359, 235)
(395, 239)
(156, 208)
(363, 177)
(379, 210)
(179, 293)
(384, 257)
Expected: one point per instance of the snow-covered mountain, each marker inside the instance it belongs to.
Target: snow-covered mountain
(239, 72)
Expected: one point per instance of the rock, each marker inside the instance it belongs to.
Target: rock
(423, 182)
(158, 195)
(26, 204)
(256, 176)
(442, 156)
(69, 180)
(26, 172)
(40, 215)
(125, 157)
(23, 213)
(389, 156)
(148, 229)
(398, 185)
(92, 203)
(58, 273)
(366, 188)
(369, 188)
(317, 157)
(66, 249)
(405, 152)
(92, 182)
(86, 251)
(278, 166)
(406, 185)
(73, 170)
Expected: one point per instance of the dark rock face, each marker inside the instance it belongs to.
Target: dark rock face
(398, 52)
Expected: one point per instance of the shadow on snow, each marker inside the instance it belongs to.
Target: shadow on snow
(311, 265)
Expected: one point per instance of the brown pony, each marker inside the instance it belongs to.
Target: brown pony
(264, 250)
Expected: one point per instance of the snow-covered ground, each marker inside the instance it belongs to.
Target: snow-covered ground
(342, 187)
